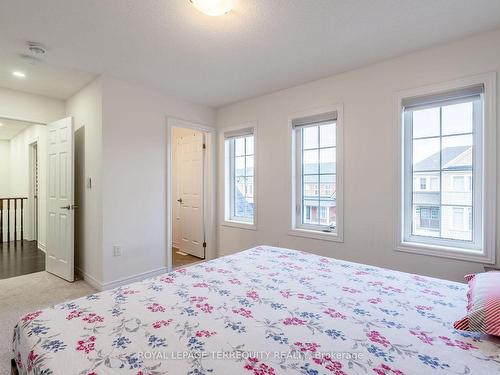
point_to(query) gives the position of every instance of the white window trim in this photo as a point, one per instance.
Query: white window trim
(476, 244)
(225, 206)
(487, 255)
(315, 234)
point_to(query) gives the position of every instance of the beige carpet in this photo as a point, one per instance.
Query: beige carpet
(22, 294)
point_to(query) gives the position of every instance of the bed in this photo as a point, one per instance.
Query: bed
(266, 310)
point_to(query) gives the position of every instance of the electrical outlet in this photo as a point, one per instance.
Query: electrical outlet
(117, 251)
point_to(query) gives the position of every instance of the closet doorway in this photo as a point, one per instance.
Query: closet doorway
(191, 208)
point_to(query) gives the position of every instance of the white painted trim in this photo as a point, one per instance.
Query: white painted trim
(294, 230)
(42, 247)
(223, 208)
(488, 253)
(132, 279)
(91, 280)
(100, 286)
(239, 224)
(210, 190)
(316, 235)
(443, 252)
(30, 235)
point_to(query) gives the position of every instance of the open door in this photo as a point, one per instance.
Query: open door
(60, 199)
(191, 195)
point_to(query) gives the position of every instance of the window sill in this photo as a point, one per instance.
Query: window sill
(445, 252)
(239, 225)
(317, 235)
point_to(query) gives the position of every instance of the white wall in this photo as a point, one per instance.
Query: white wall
(368, 96)
(29, 107)
(177, 134)
(4, 168)
(19, 177)
(134, 175)
(86, 108)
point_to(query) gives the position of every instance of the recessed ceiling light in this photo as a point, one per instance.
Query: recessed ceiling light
(213, 7)
(18, 74)
(1, 124)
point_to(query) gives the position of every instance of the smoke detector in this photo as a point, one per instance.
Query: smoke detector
(36, 49)
(35, 52)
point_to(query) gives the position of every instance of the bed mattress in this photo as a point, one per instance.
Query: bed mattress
(262, 311)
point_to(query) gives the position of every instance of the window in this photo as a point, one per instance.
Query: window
(427, 218)
(239, 176)
(447, 171)
(317, 173)
(440, 138)
(423, 183)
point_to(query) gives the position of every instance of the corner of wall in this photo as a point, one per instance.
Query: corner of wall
(85, 107)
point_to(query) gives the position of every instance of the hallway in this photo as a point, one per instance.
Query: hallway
(20, 258)
(179, 261)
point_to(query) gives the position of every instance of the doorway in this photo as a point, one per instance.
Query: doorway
(36, 198)
(191, 195)
(22, 244)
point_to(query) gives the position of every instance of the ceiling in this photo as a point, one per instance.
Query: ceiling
(259, 47)
(42, 78)
(10, 128)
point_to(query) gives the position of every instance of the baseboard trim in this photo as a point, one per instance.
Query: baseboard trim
(100, 286)
(132, 279)
(42, 247)
(91, 280)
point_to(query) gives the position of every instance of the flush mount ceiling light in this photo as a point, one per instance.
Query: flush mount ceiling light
(18, 74)
(213, 7)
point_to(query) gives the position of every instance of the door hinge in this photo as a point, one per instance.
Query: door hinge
(204, 146)
(204, 244)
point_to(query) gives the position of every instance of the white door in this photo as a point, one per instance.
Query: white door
(59, 258)
(190, 173)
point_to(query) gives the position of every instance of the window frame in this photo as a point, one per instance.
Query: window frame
(227, 219)
(308, 230)
(476, 243)
(485, 250)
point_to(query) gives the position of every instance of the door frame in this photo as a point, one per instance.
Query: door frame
(209, 190)
(34, 209)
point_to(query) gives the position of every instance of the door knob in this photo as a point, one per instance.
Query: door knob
(179, 200)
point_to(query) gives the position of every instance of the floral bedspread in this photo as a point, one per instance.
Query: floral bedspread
(262, 311)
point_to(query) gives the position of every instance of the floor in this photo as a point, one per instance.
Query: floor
(179, 260)
(23, 294)
(20, 258)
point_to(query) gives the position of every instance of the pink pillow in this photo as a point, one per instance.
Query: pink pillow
(483, 304)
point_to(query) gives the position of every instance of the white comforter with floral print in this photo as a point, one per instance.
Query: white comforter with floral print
(262, 311)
